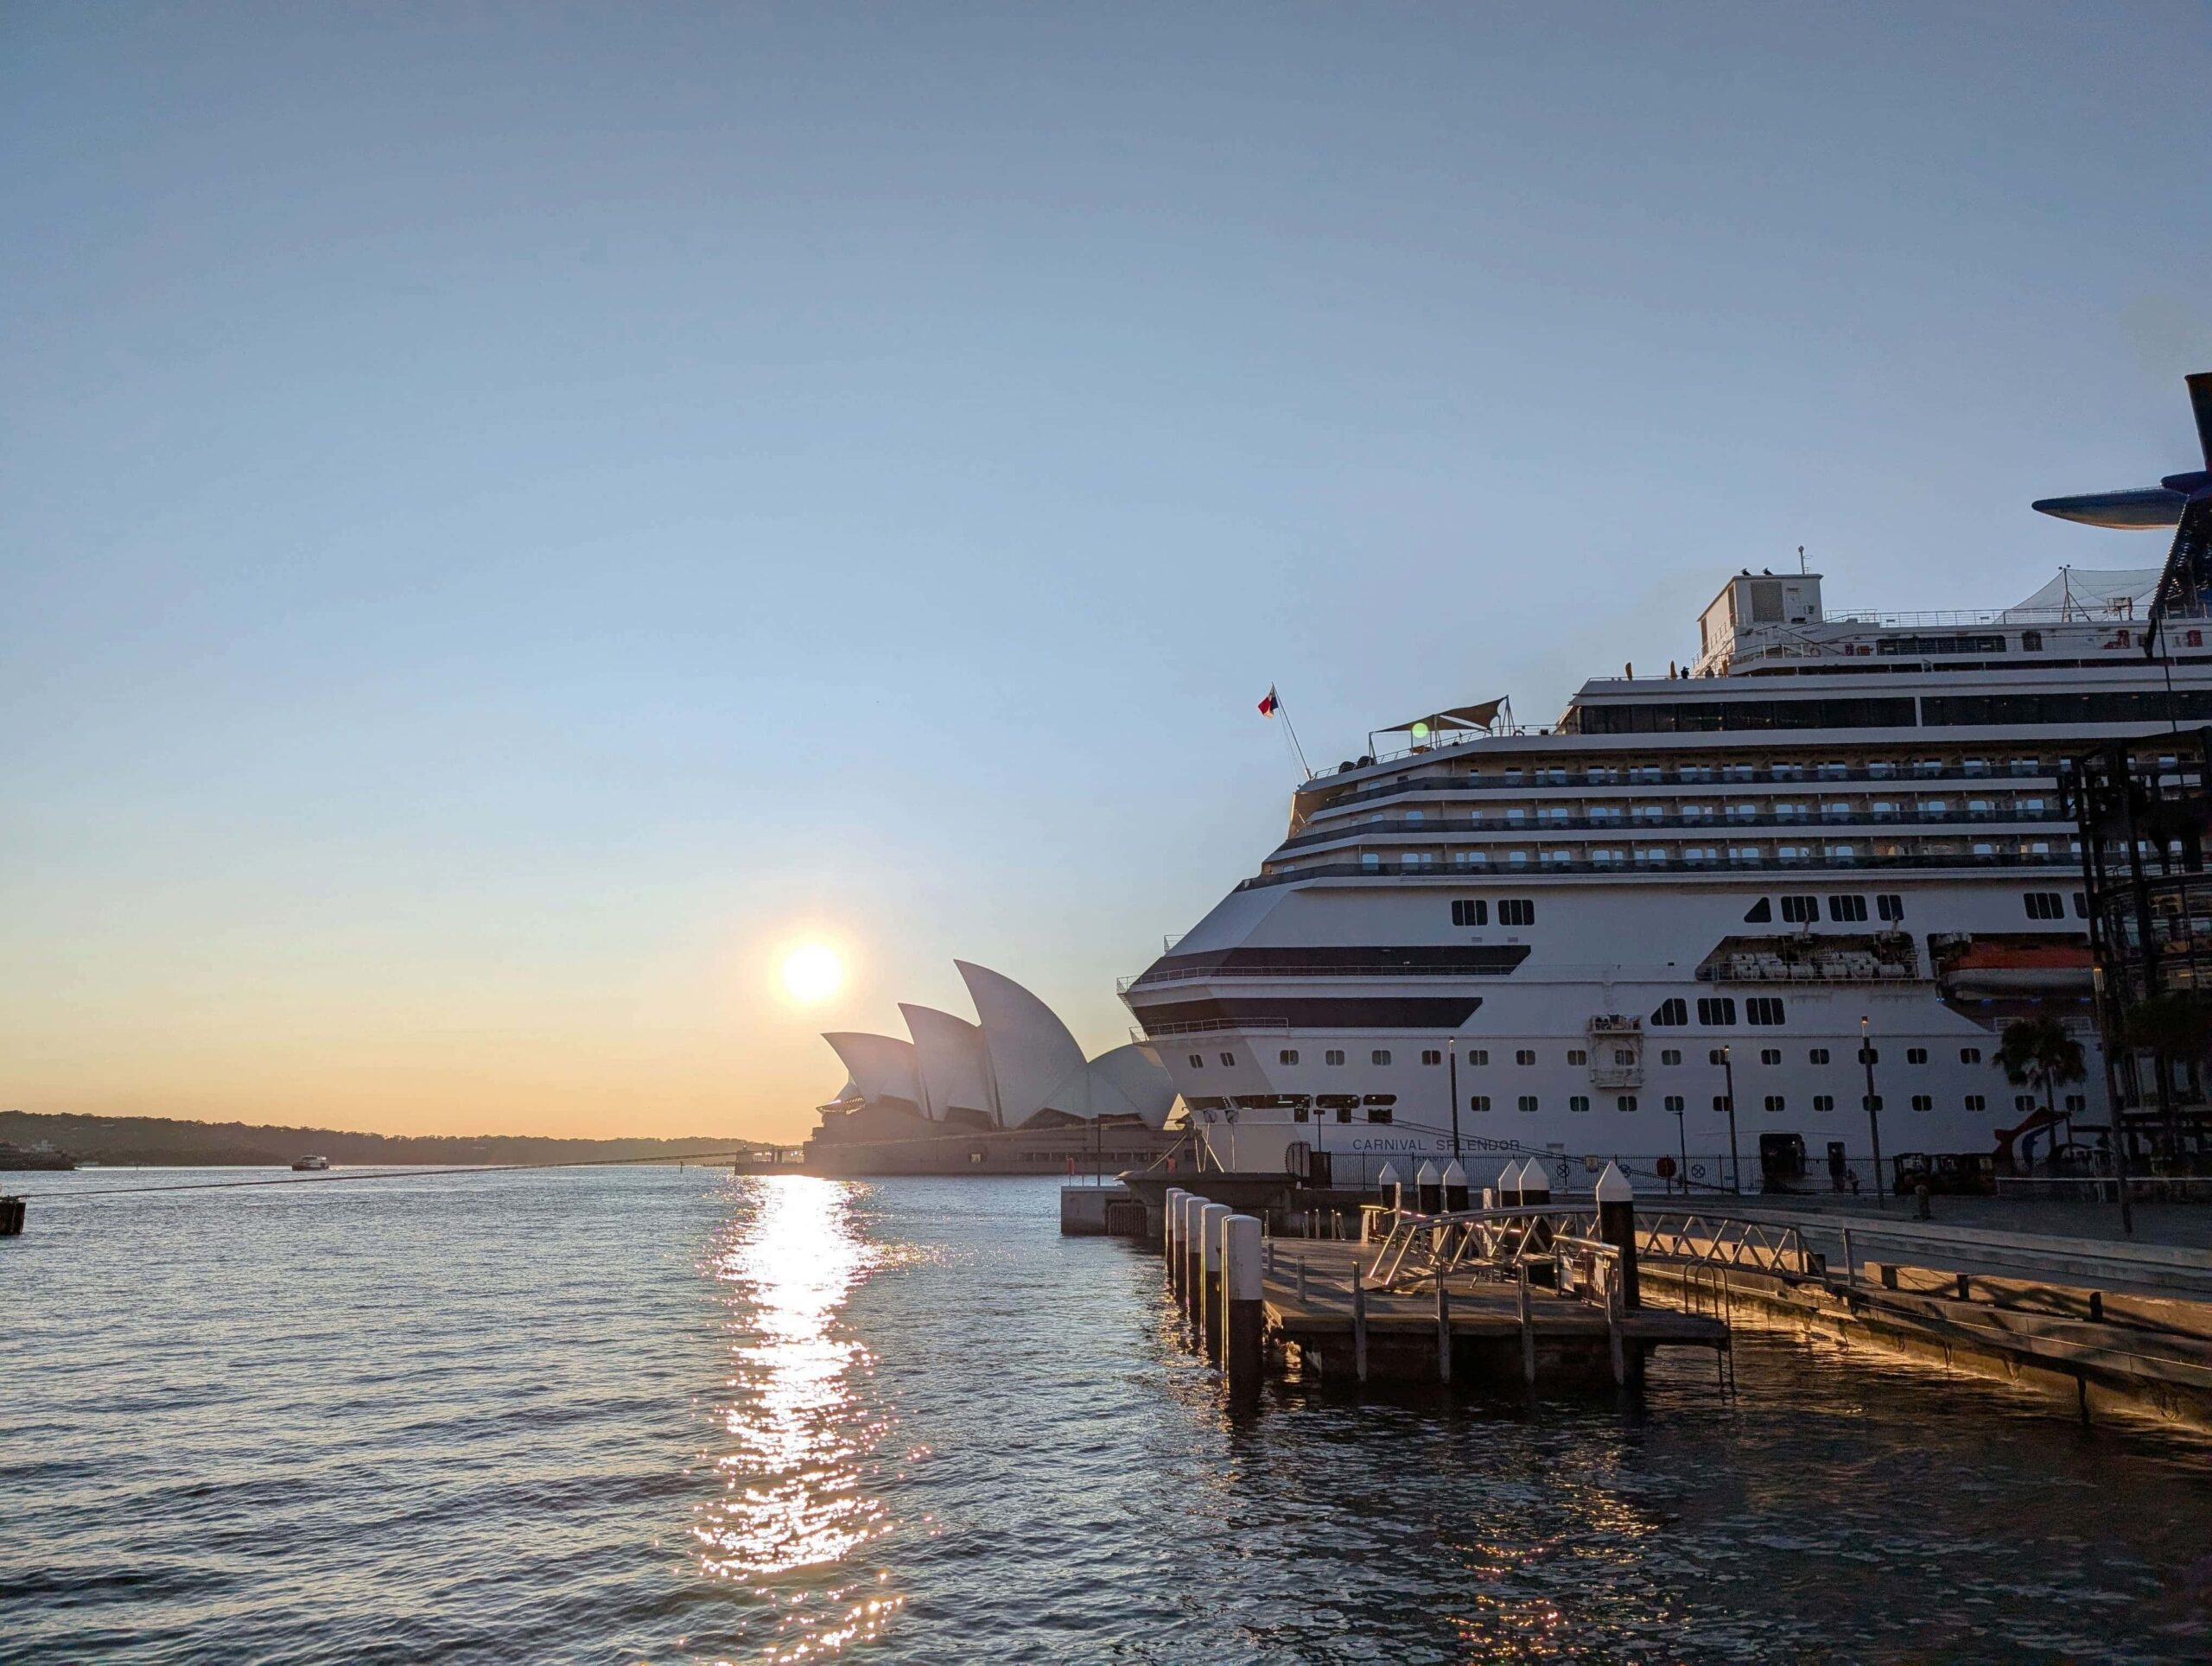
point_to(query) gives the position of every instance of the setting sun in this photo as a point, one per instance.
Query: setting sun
(813, 972)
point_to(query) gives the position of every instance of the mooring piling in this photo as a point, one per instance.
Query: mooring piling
(1211, 1217)
(1443, 1333)
(1193, 1274)
(1244, 1318)
(1170, 1215)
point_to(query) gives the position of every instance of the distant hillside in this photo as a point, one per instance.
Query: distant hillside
(161, 1140)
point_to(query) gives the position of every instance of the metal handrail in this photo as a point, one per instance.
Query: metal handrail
(1634, 825)
(1709, 776)
(1497, 1241)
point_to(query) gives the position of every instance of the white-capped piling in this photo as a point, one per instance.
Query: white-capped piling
(1617, 1226)
(1194, 1206)
(1509, 1186)
(1387, 1183)
(1428, 1188)
(1455, 1187)
(1536, 1185)
(1210, 1220)
(1242, 1318)
(1170, 1223)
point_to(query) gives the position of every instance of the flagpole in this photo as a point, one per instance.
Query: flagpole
(1292, 733)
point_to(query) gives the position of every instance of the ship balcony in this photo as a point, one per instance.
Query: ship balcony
(1563, 866)
(1493, 780)
(1829, 821)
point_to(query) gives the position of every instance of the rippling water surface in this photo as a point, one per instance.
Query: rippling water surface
(670, 1415)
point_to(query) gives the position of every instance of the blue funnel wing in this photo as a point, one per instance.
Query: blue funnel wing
(2150, 505)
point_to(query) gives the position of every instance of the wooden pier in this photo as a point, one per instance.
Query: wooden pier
(1485, 1335)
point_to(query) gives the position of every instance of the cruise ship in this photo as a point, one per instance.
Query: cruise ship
(1736, 923)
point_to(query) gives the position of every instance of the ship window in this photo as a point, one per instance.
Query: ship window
(1870, 1055)
(1576, 1056)
(1800, 911)
(1763, 1009)
(1516, 911)
(1769, 1055)
(2045, 904)
(1470, 910)
(1717, 1056)
(1627, 1101)
(2077, 1102)
(2023, 1102)
(1527, 1101)
(1775, 1101)
(1344, 1113)
(1889, 905)
(1380, 1056)
(1432, 1056)
(1378, 1113)
(1478, 1056)
(1671, 1011)
(1759, 913)
(1370, 861)
(1716, 1009)
(1969, 1055)
(1525, 1055)
(1823, 1102)
(1915, 1055)
(2080, 905)
(1846, 908)
(1870, 1101)
(1670, 1055)
(1923, 1102)
(2031, 641)
(1577, 1101)
(1976, 1102)
(1228, 1060)
(1333, 1056)
(1721, 1102)
(1480, 1102)
(1288, 1056)
(1198, 1061)
(1674, 1104)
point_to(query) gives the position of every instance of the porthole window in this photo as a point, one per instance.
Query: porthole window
(1769, 1055)
(1923, 1102)
(1915, 1055)
(1480, 1102)
(1479, 1055)
(1670, 1055)
(1432, 1056)
(1380, 1056)
(1774, 1102)
(1969, 1055)
(1529, 1102)
(1627, 1101)
(1721, 1102)
(1817, 1056)
(1288, 1056)
(1976, 1102)
(1524, 1056)
(1576, 1056)
(1577, 1101)
(1334, 1056)
(1674, 1104)
(1823, 1103)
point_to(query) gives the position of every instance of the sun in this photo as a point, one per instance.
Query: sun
(812, 972)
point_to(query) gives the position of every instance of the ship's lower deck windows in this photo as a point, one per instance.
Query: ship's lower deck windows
(1670, 1056)
(1915, 1055)
(1923, 1102)
(1479, 1102)
(1333, 1056)
(1576, 1056)
(1432, 1056)
(1817, 1056)
(1673, 1103)
(1769, 1055)
(1479, 1055)
(1976, 1102)
(1823, 1103)
(1289, 1055)
(1380, 1056)
(1625, 1102)
(1775, 1102)
(1577, 1101)
(1198, 1061)
(1525, 1055)
(1714, 1011)
(1529, 1102)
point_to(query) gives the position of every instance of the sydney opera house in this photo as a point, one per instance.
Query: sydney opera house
(1009, 1093)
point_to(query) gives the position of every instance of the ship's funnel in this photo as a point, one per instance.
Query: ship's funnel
(2181, 501)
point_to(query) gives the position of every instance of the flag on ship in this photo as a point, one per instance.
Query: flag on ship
(1269, 706)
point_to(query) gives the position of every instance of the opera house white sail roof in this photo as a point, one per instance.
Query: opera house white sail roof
(1018, 1066)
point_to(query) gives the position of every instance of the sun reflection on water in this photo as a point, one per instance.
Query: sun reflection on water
(794, 1505)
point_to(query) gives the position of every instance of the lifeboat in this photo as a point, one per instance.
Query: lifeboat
(1992, 967)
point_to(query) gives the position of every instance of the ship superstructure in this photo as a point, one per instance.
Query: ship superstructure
(1692, 895)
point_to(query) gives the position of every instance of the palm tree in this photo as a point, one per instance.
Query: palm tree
(2038, 1052)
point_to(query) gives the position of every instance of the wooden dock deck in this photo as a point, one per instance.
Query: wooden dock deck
(1564, 1340)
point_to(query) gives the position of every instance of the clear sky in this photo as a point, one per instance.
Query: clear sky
(511, 515)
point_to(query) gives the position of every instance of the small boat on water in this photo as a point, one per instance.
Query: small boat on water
(309, 1165)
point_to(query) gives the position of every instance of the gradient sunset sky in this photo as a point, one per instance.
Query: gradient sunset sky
(511, 516)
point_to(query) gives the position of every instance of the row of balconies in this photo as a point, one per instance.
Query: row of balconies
(1417, 825)
(1687, 774)
(1696, 860)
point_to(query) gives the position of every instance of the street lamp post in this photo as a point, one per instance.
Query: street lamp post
(1873, 1111)
(1735, 1158)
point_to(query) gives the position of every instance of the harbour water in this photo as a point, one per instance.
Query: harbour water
(658, 1416)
